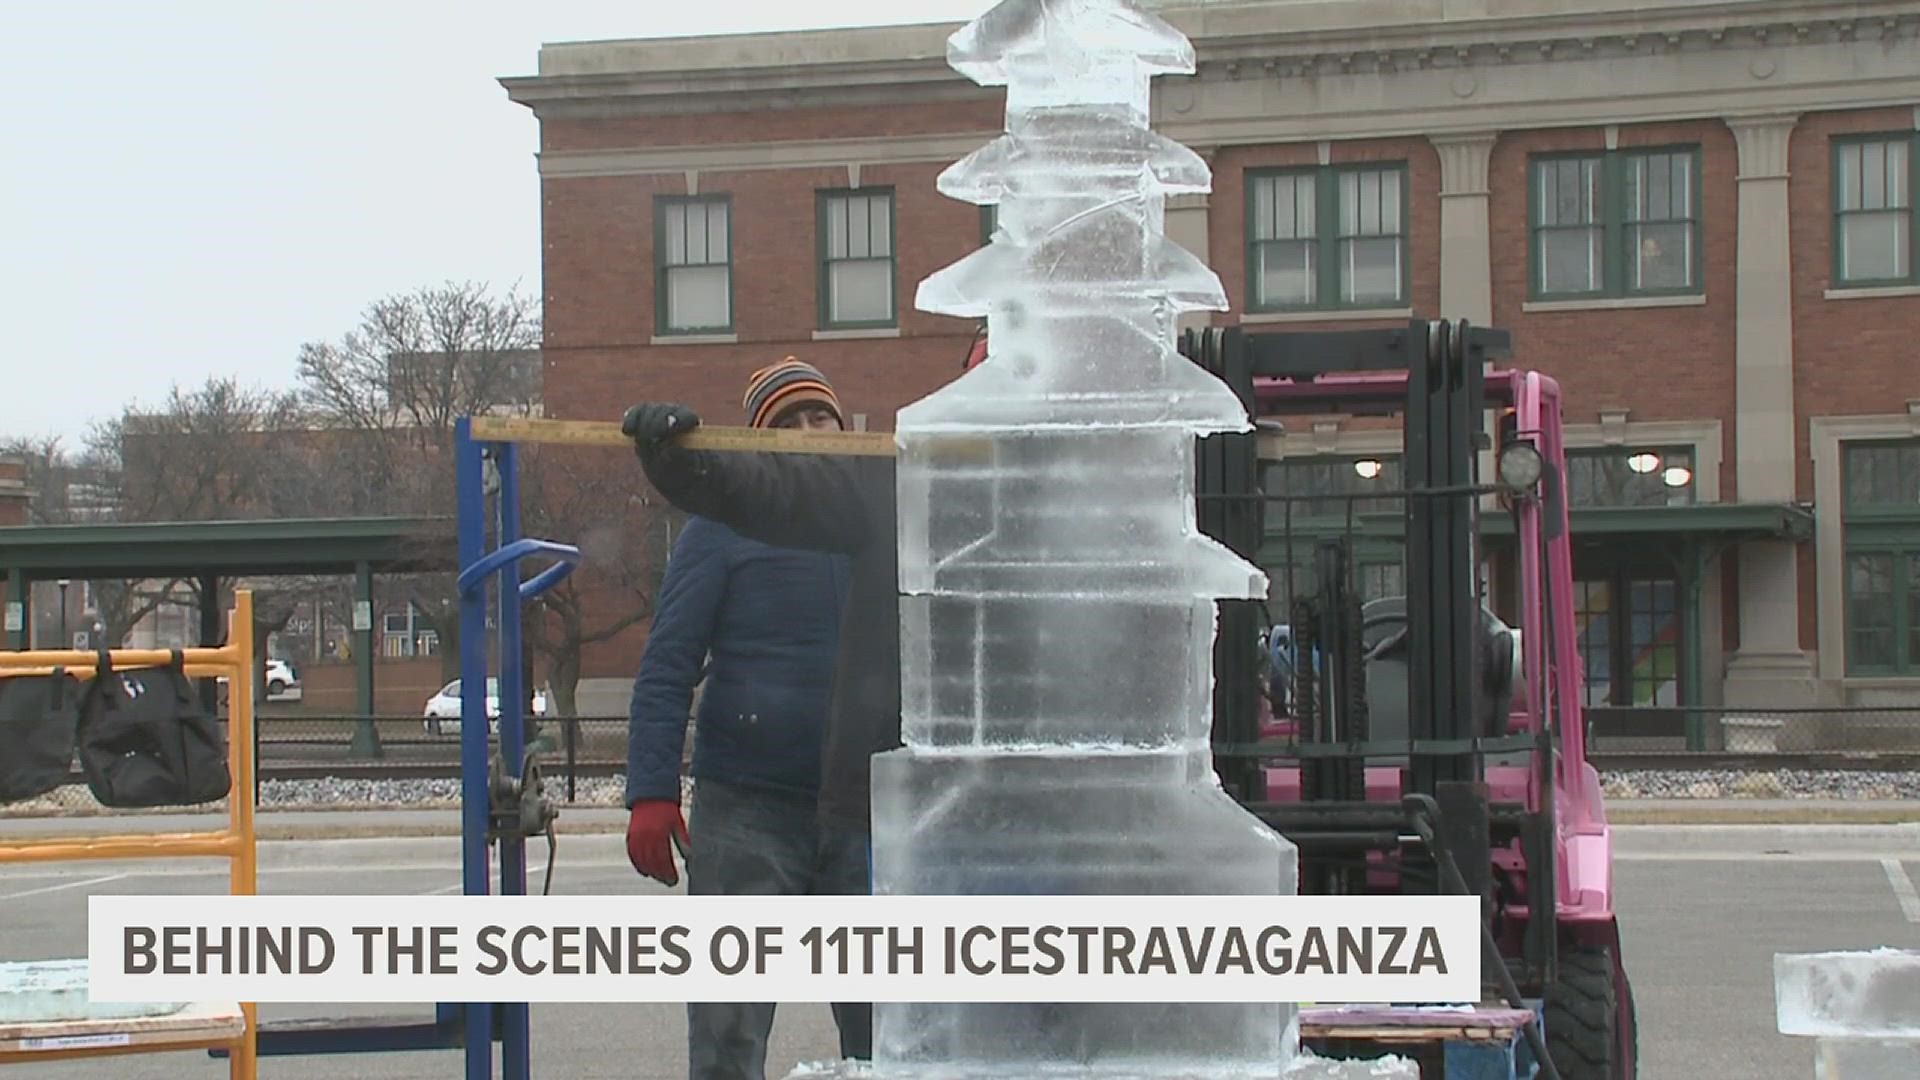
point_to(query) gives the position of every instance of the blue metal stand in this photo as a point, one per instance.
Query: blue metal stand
(479, 568)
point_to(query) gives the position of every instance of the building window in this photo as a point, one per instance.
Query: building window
(404, 634)
(1874, 229)
(1328, 238)
(396, 638)
(856, 259)
(1630, 635)
(1618, 224)
(1322, 488)
(693, 245)
(1630, 476)
(1881, 524)
(1379, 571)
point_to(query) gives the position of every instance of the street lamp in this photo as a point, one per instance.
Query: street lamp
(65, 641)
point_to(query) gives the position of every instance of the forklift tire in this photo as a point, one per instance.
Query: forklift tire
(1584, 1019)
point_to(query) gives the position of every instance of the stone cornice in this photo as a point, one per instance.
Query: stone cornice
(720, 157)
(690, 92)
(1232, 41)
(1453, 107)
(1631, 30)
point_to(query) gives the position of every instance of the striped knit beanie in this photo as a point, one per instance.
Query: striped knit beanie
(778, 388)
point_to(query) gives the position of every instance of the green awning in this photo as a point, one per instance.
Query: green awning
(1781, 521)
(1722, 521)
(294, 546)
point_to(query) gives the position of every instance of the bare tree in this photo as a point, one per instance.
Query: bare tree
(71, 489)
(416, 363)
(393, 387)
(624, 537)
(201, 456)
(51, 474)
(211, 452)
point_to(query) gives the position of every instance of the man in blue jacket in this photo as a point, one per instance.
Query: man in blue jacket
(760, 625)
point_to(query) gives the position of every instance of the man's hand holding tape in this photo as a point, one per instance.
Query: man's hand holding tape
(652, 423)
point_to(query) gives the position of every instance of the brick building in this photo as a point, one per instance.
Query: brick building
(1699, 217)
(14, 491)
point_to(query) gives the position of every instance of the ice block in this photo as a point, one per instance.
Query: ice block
(1308, 1066)
(1866, 1059)
(1869, 994)
(1304, 1066)
(47, 991)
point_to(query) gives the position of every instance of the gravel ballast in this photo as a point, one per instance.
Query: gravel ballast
(1856, 785)
(329, 793)
(335, 793)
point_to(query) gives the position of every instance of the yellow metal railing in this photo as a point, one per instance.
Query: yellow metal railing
(235, 842)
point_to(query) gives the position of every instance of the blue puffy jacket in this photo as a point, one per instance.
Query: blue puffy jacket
(765, 621)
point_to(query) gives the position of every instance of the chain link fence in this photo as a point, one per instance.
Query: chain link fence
(344, 762)
(1885, 733)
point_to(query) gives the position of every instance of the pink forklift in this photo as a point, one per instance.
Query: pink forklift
(1430, 739)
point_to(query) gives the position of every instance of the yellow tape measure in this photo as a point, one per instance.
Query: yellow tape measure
(762, 440)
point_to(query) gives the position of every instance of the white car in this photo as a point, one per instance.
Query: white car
(442, 716)
(282, 680)
(283, 683)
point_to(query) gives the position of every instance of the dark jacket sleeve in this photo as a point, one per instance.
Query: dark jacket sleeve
(787, 500)
(690, 595)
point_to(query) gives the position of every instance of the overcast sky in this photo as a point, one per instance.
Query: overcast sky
(196, 188)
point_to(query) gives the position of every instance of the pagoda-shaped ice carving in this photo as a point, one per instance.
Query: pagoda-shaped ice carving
(1057, 611)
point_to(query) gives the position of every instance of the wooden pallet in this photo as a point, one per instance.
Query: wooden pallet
(1403, 1025)
(1484, 1043)
(198, 1026)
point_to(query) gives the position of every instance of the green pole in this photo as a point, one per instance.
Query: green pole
(210, 626)
(16, 607)
(366, 734)
(1693, 670)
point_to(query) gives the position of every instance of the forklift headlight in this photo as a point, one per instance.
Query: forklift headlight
(1520, 466)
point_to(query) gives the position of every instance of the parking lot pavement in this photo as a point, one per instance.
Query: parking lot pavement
(1702, 910)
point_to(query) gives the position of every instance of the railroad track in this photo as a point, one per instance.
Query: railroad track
(414, 770)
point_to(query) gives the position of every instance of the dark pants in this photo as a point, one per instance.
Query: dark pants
(752, 842)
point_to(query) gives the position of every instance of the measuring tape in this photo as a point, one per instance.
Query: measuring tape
(762, 440)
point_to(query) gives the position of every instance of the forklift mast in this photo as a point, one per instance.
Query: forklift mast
(1444, 407)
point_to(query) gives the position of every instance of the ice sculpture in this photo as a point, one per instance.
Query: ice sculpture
(1862, 1007)
(1057, 616)
(1057, 608)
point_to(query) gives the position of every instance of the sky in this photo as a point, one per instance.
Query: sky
(194, 189)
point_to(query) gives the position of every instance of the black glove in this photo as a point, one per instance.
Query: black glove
(651, 423)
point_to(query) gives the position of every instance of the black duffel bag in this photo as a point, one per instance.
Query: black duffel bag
(146, 741)
(37, 718)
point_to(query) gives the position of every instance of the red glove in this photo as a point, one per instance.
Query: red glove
(652, 823)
